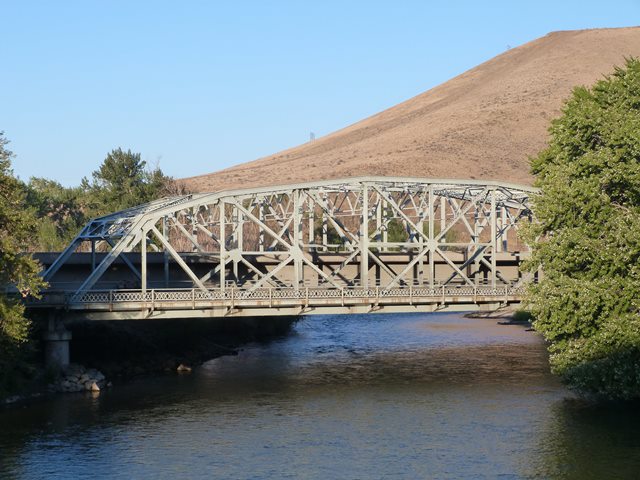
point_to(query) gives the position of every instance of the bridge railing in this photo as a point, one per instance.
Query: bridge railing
(153, 298)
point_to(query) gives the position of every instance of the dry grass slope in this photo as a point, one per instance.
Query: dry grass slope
(482, 124)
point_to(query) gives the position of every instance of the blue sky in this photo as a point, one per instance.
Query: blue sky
(200, 86)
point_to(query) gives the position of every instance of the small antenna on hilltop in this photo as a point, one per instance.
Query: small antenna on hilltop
(312, 136)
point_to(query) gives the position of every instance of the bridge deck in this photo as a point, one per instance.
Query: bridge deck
(184, 303)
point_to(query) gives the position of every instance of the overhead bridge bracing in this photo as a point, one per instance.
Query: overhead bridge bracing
(342, 246)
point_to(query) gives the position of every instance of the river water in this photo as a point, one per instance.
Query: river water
(355, 397)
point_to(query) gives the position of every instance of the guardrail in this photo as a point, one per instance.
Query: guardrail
(230, 296)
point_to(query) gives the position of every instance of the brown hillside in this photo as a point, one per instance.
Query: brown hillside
(484, 123)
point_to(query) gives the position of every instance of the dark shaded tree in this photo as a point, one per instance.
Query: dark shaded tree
(17, 225)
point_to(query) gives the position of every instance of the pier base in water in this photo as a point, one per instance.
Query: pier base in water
(56, 344)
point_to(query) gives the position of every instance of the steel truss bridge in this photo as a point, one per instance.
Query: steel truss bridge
(365, 244)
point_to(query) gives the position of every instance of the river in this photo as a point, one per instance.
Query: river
(355, 397)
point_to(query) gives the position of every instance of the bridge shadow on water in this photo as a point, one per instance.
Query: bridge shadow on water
(403, 396)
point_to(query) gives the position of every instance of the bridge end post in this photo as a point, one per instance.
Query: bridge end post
(56, 343)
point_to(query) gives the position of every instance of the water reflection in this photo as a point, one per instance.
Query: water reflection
(587, 440)
(411, 396)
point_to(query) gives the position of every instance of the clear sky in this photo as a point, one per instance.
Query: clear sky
(200, 86)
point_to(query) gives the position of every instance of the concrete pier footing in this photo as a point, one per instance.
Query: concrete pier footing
(489, 307)
(56, 344)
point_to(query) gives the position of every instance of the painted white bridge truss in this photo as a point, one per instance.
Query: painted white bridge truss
(357, 234)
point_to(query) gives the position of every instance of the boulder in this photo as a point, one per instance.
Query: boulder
(77, 378)
(182, 368)
(91, 386)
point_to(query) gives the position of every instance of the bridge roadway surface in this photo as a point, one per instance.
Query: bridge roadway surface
(357, 245)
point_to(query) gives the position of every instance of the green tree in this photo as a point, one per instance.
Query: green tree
(587, 238)
(397, 231)
(17, 224)
(123, 181)
(60, 211)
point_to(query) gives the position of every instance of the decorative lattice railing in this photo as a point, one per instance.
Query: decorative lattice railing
(304, 295)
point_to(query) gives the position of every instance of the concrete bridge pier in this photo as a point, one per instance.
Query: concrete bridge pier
(56, 342)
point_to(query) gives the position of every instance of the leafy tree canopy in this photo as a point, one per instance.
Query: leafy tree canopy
(587, 238)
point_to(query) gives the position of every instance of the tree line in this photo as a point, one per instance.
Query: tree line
(122, 181)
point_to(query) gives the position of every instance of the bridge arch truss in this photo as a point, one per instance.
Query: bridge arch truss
(362, 236)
